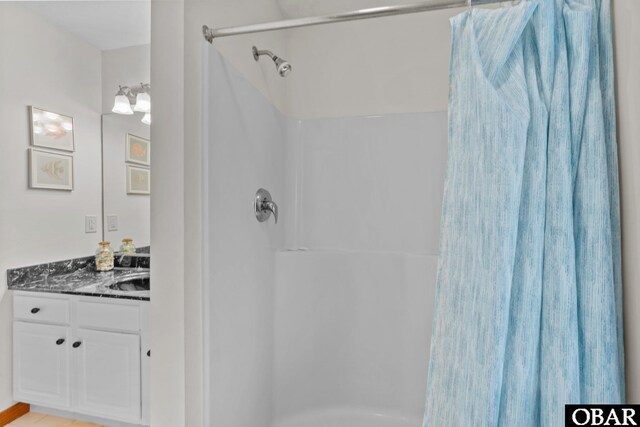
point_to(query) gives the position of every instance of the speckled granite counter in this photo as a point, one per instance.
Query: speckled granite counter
(79, 277)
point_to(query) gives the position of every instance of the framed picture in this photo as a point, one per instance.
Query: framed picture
(52, 171)
(51, 130)
(138, 180)
(138, 150)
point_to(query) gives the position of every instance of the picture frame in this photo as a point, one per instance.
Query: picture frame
(50, 171)
(51, 130)
(138, 150)
(138, 180)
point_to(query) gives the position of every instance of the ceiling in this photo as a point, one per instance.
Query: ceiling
(105, 24)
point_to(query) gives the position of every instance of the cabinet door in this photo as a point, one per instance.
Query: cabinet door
(41, 364)
(145, 341)
(107, 370)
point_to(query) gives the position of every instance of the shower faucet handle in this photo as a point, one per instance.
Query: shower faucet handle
(271, 207)
(264, 206)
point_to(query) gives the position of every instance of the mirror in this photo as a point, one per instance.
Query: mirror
(57, 82)
(126, 173)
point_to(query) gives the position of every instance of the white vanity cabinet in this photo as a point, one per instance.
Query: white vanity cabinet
(107, 366)
(41, 364)
(82, 354)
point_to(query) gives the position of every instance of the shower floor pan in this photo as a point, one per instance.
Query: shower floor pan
(347, 417)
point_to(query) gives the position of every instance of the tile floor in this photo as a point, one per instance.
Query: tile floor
(35, 419)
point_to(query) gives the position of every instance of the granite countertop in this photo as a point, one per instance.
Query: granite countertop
(78, 277)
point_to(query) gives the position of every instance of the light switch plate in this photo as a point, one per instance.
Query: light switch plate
(90, 224)
(112, 222)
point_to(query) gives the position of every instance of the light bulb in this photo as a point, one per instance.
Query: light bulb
(143, 103)
(146, 119)
(121, 105)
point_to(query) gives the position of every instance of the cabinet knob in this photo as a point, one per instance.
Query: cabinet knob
(60, 341)
(149, 353)
(34, 310)
(77, 344)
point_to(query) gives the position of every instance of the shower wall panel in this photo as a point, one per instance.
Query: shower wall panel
(353, 307)
(245, 144)
(352, 333)
(373, 183)
(324, 318)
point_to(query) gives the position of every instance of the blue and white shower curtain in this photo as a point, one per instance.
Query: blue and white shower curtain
(528, 300)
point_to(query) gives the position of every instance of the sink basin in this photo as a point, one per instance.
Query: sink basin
(132, 282)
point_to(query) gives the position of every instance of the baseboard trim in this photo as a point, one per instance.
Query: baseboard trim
(12, 413)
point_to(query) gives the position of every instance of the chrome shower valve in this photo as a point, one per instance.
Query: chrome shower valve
(264, 206)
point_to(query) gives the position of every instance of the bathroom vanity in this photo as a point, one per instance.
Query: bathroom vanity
(81, 340)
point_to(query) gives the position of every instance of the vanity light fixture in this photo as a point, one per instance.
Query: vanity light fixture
(143, 103)
(121, 104)
(138, 96)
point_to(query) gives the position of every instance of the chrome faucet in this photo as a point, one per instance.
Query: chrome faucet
(121, 258)
(264, 206)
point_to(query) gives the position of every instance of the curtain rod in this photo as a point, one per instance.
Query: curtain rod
(375, 12)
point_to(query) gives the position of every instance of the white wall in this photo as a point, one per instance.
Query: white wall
(133, 210)
(49, 68)
(379, 66)
(168, 206)
(627, 62)
(127, 66)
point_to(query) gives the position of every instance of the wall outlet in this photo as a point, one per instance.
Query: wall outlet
(90, 224)
(112, 222)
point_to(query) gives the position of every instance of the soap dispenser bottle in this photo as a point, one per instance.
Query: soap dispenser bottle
(127, 246)
(104, 257)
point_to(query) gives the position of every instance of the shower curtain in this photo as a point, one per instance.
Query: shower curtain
(528, 300)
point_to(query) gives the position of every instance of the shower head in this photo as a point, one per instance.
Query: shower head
(282, 65)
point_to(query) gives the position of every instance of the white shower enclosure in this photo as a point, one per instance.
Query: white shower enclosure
(323, 319)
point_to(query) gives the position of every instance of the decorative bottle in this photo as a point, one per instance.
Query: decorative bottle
(104, 257)
(127, 246)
